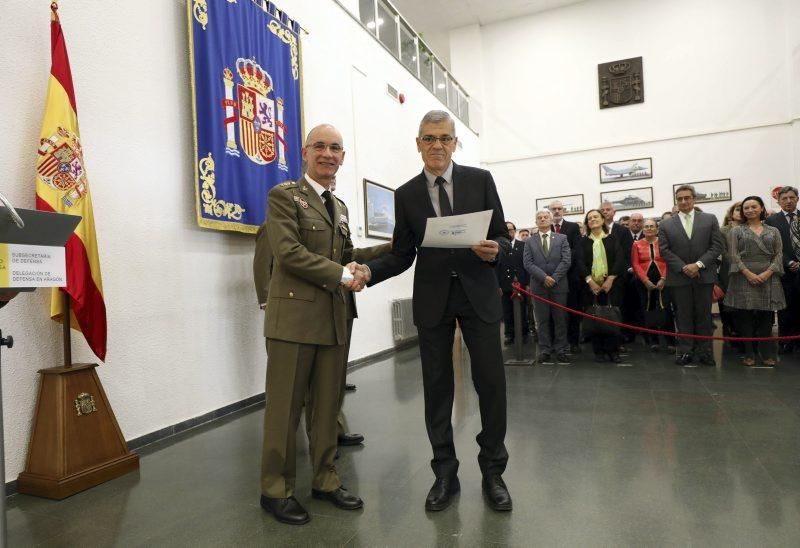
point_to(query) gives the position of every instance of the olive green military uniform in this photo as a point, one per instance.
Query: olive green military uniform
(262, 271)
(306, 330)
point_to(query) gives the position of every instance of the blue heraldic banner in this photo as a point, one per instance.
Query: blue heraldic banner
(247, 109)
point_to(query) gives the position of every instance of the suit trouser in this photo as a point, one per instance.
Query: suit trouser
(488, 376)
(632, 312)
(341, 420)
(547, 317)
(756, 323)
(294, 369)
(508, 315)
(693, 316)
(789, 317)
(573, 320)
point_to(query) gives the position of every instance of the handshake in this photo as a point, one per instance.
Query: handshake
(361, 276)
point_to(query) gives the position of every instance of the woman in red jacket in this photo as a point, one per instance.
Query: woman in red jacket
(651, 271)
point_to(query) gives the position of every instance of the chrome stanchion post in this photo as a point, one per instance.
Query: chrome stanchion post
(9, 342)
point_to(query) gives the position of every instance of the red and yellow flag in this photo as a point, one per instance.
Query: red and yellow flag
(62, 187)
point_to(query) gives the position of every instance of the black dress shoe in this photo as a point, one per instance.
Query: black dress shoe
(496, 493)
(614, 358)
(340, 497)
(350, 387)
(441, 493)
(350, 439)
(286, 510)
(683, 359)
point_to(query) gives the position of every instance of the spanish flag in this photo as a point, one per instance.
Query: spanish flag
(62, 187)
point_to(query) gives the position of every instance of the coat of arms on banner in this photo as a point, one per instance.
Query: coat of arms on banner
(60, 166)
(621, 83)
(260, 118)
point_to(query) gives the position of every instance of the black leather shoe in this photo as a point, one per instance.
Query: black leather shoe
(286, 510)
(350, 387)
(496, 493)
(614, 358)
(441, 493)
(708, 360)
(683, 359)
(340, 497)
(350, 439)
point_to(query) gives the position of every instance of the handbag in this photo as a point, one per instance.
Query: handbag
(593, 328)
(717, 294)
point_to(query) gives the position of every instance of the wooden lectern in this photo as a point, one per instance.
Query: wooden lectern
(76, 442)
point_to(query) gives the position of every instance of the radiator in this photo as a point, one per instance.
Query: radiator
(403, 327)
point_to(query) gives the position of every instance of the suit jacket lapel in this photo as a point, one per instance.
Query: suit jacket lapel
(457, 190)
(315, 200)
(423, 196)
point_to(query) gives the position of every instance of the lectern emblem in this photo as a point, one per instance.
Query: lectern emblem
(84, 404)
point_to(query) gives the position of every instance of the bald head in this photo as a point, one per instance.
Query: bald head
(323, 153)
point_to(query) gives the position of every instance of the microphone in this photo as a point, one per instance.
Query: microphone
(11, 211)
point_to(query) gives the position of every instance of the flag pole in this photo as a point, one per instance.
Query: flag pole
(66, 320)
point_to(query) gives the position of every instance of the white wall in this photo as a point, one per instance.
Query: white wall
(185, 332)
(720, 96)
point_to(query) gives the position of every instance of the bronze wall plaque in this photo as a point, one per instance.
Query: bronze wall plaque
(621, 83)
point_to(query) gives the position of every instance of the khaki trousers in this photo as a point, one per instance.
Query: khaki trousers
(294, 370)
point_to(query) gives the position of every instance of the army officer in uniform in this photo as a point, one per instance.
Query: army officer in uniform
(306, 328)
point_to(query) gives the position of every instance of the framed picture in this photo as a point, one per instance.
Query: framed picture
(378, 210)
(626, 170)
(630, 198)
(573, 203)
(718, 190)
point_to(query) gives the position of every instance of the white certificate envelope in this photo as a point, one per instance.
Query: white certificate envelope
(457, 230)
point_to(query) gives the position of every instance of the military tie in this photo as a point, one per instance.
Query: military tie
(329, 204)
(688, 225)
(545, 245)
(444, 201)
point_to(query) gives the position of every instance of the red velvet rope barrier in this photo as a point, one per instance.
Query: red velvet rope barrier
(519, 291)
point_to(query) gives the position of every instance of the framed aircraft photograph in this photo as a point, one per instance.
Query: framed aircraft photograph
(630, 198)
(718, 190)
(573, 203)
(626, 170)
(378, 210)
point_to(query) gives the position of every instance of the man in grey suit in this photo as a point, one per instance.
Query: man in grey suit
(547, 259)
(690, 243)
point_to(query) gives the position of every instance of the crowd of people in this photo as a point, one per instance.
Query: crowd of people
(663, 273)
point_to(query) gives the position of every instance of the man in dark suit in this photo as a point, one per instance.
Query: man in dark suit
(510, 270)
(573, 233)
(620, 231)
(547, 260)
(789, 317)
(690, 243)
(450, 285)
(632, 312)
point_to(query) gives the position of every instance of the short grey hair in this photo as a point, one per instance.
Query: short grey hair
(784, 189)
(436, 117)
(554, 202)
(539, 212)
(690, 188)
(604, 202)
(637, 214)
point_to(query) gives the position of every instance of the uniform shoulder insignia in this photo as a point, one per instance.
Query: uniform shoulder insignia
(287, 184)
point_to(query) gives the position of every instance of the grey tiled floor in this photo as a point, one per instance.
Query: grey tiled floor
(646, 455)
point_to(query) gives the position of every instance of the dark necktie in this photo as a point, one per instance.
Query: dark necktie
(444, 200)
(329, 204)
(558, 228)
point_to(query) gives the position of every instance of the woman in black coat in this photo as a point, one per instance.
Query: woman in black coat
(603, 285)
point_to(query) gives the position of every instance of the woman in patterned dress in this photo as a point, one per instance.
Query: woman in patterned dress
(754, 292)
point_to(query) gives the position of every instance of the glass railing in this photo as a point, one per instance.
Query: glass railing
(381, 19)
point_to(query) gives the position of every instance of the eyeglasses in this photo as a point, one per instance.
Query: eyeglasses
(335, 148)
(430, 139)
